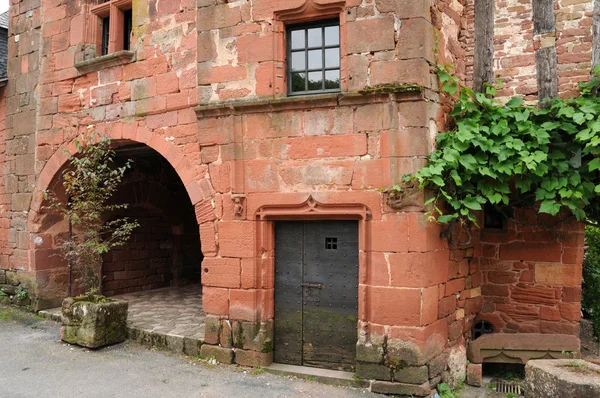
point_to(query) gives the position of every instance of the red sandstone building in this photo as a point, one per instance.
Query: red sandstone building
(261, 156)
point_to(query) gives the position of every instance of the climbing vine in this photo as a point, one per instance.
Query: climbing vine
(515, 155)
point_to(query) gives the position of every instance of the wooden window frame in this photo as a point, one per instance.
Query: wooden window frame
(323, 47)
(115, 10)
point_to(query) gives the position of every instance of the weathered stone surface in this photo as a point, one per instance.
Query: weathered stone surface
(94, 325)
(369, 352)
(521, 347)
(411, 374)
(475, 374)
(437, 365)
(386, 387)
(253, 358)
(372, 371)
(222, 355)
(562, 378)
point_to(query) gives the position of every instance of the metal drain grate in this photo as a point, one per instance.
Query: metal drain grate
(506, 387)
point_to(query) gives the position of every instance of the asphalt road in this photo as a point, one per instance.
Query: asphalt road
(35, 363)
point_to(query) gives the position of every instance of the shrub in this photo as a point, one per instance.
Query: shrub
(89, 183)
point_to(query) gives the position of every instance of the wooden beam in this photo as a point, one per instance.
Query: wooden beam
(596, 34)
(546, 59)
(483, 62)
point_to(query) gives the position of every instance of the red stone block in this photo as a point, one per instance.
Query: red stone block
(371, 173)
(454, 286)
(429, 305)
(236, 239)
(243, 304)
(425, 343)
(502, 277)
(370, 35)
(394, 306)
(424, 235)
(221, 272)
(220, 74)
(390, 234)
(261, 176)
(559, 328)
(531, 251)
(378, 271)
(413, 71)
(570, 311)
(215, 301)
(69, 103)
(549, 314)
(326, 146)
(475, 374)
(418, 269)
(571, 294)
(558, 274)
(255, 48)
(473, 305)
(446, 306)
(572, 255)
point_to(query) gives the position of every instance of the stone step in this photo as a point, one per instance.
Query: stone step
(157, 340)
(53, 314)
(325, 376)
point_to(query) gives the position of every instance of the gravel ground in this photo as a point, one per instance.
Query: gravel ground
(34, 363)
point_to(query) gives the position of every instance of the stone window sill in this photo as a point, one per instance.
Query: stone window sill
(300, 103)
(105, 61)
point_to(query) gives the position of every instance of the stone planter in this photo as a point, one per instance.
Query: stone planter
(94, 325)
(573, 378)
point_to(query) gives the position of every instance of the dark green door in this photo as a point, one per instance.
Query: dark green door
(316, 293)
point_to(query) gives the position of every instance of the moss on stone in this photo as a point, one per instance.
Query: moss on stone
(392, 88)
(267, 346)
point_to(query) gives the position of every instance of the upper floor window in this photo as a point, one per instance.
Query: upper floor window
(115, 20)
(313, 58)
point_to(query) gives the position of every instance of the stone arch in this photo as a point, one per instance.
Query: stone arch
(49, 270)
(196, 189)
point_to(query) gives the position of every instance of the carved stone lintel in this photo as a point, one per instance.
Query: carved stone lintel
(239, 206)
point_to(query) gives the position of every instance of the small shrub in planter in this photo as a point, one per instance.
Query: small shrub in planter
(92, 320)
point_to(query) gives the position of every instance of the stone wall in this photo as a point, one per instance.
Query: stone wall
(515, 45)
(145, 262)
(531, 271)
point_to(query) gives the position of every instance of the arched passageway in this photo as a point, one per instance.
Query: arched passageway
(164, 251)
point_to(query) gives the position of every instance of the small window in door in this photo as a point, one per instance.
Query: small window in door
(331, 243)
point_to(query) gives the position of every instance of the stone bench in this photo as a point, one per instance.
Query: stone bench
(521, 347)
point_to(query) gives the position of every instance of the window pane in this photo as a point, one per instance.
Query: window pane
(315, 37)
(299, 60)
(332, 57)
(332, 36)
(298, 82)
(332, 79)
(315, 59)
(298, 39)
(315, 81)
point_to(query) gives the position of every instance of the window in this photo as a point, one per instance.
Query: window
(313, 60)
(115, 24)
(105, 29)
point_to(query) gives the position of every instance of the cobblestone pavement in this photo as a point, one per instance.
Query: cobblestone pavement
(173, 311)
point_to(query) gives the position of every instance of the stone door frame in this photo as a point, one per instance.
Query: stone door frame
(310, 210)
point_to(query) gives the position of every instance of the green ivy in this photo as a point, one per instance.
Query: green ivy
(515, 154)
